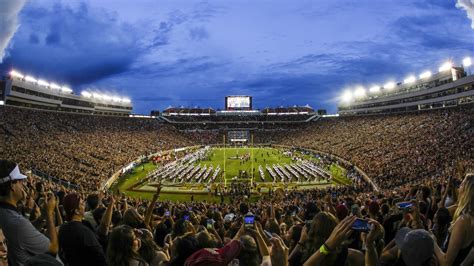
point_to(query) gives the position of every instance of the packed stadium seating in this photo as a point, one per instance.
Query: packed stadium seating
(422, 159)
(82, 149)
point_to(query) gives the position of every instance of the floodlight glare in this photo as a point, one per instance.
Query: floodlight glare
(96, 95)
(374, 89)
(445, 67)
(389, 85)
(30, 79)
(66, 89)
(410, 79)
(43, 83)
(16, 74)
(425, 75)
(107, 98)
(359, 92)
(467, 62)
(86, 94)
(116, 99)
(126, 100)
(54, 86)
(347, 96)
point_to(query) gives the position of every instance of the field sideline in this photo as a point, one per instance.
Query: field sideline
(217, 156)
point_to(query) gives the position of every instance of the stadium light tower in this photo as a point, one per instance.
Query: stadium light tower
(445, 67)
(389, 85)
(374, 89)
(425, 75)
(467, 62)
(30, 79)
(66, 89)
(359, 92)
(54, 86)
(347, 96)
(16, 74)
(410, 79)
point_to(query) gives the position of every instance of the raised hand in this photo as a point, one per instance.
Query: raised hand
(340, 233)
(279, 252)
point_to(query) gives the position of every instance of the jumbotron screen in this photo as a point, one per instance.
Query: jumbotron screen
(238, 102)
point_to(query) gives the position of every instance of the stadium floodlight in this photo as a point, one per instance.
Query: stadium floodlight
(347, 96)
(16, 74)
(425, 75)
(410, 79)
(374, 89)
(66, 89)
(389, 85)
(54, 86)
(86, 94)
(43, 83)
(445, 67)
(467, 62)
(359, 92)
(30, 79)
(126, 100)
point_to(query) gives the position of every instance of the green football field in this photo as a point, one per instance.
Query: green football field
(226, 159)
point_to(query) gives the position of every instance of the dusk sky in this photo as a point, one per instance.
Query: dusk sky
(194, 53)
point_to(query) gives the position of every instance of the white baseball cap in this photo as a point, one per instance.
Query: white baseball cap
(13, 175)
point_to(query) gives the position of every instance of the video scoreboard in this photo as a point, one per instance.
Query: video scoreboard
(238, 102)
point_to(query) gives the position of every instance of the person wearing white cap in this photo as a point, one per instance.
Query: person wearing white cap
(24, 241)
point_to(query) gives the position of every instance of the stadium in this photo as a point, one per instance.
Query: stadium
(387, 179)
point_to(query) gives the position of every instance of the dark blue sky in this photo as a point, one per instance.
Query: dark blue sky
(194, 53)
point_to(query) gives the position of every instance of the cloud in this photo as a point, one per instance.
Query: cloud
(9, 10)
(78, 45)
(198, 34)
(468, 6)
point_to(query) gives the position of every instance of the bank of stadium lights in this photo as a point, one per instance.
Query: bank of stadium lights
(30, 79)
(347, 96)
(16, 74)
(104, 97)
(374, 89)
(43, 83)
(466, 62)
(445, 67)
(359, 92)
(40, 82)
(425, 75)
(409, 80)
(389, 85)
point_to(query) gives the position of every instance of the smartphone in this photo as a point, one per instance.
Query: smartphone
(167, 213)
(334, 195)
(268, 234)
(404, 205)
(186, 217)
(249, 221)
(361, 225)
(293, 214)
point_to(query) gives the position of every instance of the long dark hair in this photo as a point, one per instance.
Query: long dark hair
(119, 248)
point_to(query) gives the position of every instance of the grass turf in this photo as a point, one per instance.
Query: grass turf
(259, 156)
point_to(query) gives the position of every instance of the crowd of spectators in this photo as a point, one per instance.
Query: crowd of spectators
(423, 214)
(81, 149)
(332, 226)
(391, 149)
